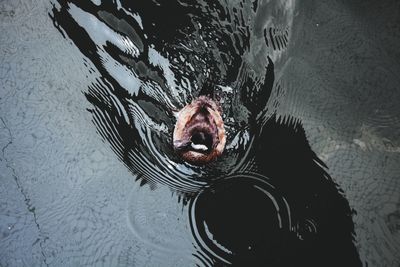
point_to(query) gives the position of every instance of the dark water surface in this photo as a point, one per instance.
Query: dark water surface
(89, 95)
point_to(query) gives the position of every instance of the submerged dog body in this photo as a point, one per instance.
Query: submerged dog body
(189, 83)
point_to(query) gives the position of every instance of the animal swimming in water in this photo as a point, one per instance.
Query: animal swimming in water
(258, 194)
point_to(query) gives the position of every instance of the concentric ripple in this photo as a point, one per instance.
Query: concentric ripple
(241, 219)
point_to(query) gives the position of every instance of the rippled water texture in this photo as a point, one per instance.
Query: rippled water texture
(90, 94)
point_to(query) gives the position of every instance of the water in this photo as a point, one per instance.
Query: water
(90, 94)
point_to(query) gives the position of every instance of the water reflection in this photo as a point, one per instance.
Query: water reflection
(154, 58)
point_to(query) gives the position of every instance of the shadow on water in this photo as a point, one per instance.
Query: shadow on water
(268, 199)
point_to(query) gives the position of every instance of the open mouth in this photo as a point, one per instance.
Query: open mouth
(199, 135)
(201, 141)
